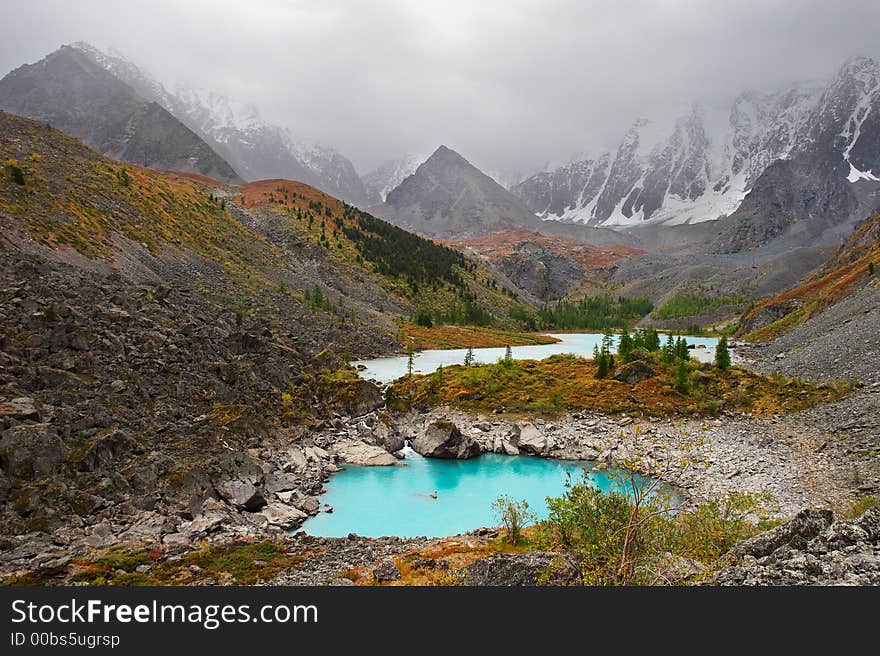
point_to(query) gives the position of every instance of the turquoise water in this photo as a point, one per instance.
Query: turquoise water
(377, 501)
(388, 369)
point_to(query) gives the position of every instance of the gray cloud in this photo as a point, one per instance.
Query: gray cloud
(510, 84)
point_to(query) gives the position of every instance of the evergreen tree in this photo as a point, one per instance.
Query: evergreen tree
(508, 354)
(469, 357)
(602, 365)
(682, 385)
(624, 346)
(681, 349)
(669, 349)
(722, 355)
(409, 359)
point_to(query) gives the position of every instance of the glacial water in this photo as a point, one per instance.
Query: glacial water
(377, 501)
(391, 368)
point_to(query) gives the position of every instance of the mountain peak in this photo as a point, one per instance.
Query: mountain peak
(449, 197)
(446, 153)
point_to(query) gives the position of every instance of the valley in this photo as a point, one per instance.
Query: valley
(198, 339)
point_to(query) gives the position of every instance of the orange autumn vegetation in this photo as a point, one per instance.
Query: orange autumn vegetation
(845, 272)
(566, 383)
(74, 197)
(591, 257)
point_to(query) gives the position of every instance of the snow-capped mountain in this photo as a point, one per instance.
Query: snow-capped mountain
(255, 148)
(390, 174)
(693, 176)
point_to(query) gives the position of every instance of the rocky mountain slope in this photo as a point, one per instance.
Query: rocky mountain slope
(798, 160)
(167, 340)
(68, 90)
(549, 267)
(256, 148)
(448, 197)
(850, 269)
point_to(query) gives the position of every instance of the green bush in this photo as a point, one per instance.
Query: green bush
(514, 515)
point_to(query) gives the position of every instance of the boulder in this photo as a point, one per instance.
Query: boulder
(806, 525)
(528, 438)
(19, 408)
(385, 572)
(104, 450)
(283, 516)
(386, 437)
(523, 569)
(355, 452)
(442, 439)
(634, 372)
(238, 479)
(308, 505)
(31, 451)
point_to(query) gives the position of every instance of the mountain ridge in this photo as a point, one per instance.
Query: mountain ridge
(68, 90)
(257, 149)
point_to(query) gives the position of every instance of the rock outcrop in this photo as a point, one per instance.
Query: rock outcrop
(442, 439)
(523, 569)
(811, 549)
(355, 452)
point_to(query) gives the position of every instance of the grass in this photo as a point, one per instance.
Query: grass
(566, 383)
(452, 337)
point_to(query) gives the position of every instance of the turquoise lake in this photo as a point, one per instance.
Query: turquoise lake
(377, 501)
(391, 368)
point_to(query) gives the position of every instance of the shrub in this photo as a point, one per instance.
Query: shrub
(16, 174)
(626, 536)
(514, 515)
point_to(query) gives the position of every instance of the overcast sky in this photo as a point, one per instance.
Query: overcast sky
(509, 84)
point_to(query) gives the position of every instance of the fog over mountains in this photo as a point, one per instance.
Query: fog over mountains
(804, 153)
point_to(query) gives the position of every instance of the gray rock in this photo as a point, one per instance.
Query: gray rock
(19, 408)
(530, 439)
(525, 569)
(31, 451)
(442, 439)
(283, 516)
(385, 572)
(355, 452)
(238, 479)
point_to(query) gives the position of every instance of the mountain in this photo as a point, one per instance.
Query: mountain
(548, 267)
(852, 267)
(827, 181)
(255, 148)
(449, 197)
(390, 174)
(789, 156)
(165, 339)
(825, 326)
(70, 91)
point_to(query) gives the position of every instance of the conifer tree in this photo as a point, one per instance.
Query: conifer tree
(722, 355)
(624, 346)
(669, 349)
(682, 385)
